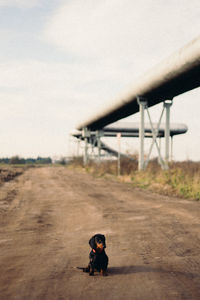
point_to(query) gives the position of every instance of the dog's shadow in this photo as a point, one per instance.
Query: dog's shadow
(128, 270)
(125, 270)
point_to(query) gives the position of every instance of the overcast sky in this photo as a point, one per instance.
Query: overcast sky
(60, 60)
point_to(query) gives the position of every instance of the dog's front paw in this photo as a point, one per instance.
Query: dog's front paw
(103, 273)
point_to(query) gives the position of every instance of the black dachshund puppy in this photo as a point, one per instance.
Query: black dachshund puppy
(98, 258)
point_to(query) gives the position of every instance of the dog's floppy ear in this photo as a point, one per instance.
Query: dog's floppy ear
(92, 242)
(103, 240)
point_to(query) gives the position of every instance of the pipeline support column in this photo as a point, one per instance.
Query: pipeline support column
(85, 135)
(167, 105)
(142, 105)
(99, 134)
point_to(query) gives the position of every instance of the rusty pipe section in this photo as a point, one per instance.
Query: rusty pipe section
(177, 74)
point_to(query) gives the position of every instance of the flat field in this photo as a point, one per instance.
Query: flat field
(47, 216)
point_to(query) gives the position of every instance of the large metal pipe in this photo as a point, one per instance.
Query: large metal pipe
(131, 129)
(179, 73)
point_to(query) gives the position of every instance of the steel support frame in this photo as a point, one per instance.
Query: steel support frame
(167, 105)
(91, 139)
(172, 148)
(99, 134)
(143, 105)
(78, 147)
(86, 136)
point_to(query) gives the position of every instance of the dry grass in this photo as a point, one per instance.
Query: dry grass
(182, 179)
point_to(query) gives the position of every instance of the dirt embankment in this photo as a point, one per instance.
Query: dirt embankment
(7, 174)
(47, 216)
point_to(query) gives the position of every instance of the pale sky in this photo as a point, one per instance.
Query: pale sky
(61, 60)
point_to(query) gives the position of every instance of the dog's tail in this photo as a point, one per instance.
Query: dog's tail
(83, 269)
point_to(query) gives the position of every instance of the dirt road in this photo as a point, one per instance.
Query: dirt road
(47, 216)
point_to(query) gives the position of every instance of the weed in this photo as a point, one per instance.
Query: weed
(182, 179)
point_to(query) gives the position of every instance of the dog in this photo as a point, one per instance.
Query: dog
(98, 257)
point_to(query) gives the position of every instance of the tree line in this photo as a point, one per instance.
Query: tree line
(16, 160)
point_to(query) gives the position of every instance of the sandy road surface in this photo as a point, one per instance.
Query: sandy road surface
(47, 216)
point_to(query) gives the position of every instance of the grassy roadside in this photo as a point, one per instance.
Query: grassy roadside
(181, 180)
